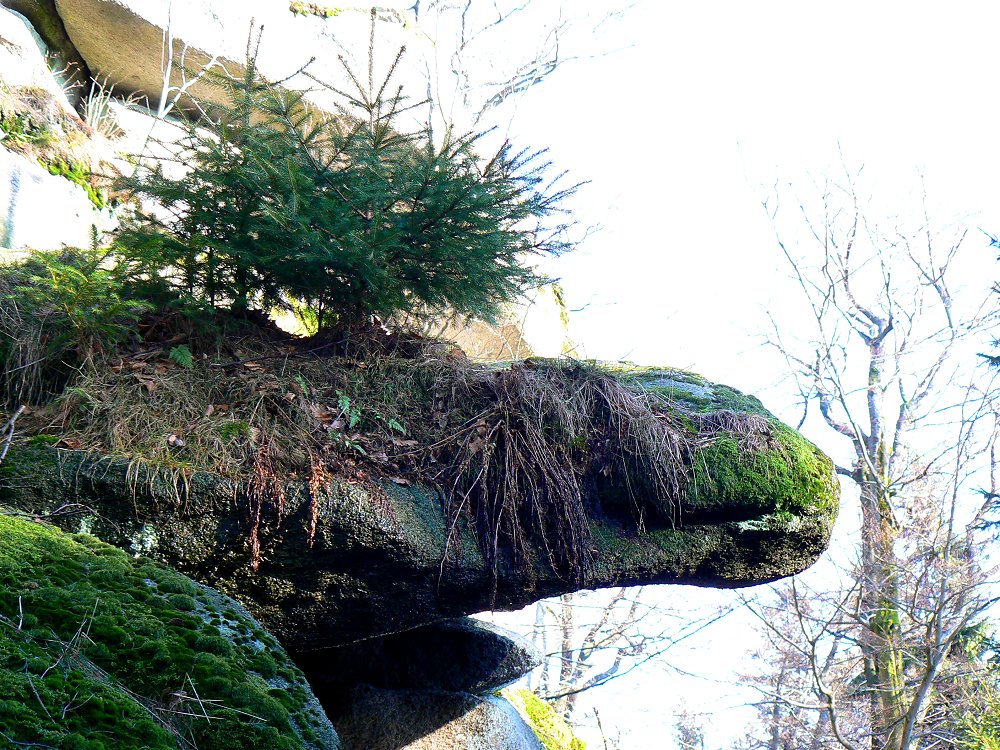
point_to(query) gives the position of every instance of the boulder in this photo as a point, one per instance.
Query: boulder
(68, 67)
(376, 719)
(23, 55)
(348, 559)
(30, 196)
(463, 655)
(47, 156)
(121, 39)
(100, 649)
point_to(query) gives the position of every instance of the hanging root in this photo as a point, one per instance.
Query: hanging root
(541, 433)
(263, 487)
(318, 479)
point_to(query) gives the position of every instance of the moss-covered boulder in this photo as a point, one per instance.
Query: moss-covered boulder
(100, 650)
(670, 479)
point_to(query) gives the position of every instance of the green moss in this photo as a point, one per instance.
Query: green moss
(313, 9)
(78, 174)
(548, 726)
(43, 439)
(21, 128)
(234, 430)
(793, 476)
(63, 690)
(686, 389)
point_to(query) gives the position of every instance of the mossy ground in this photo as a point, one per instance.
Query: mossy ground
(102, 651)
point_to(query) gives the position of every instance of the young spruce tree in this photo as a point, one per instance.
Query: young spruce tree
(353, 216)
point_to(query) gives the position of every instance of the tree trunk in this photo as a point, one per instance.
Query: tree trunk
(881, 645)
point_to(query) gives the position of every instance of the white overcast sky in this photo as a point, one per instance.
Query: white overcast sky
(712, 100)
(678, 133)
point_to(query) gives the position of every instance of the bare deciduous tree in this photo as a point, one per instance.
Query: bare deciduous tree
(471, 69)
(591, 638)
(885, 361)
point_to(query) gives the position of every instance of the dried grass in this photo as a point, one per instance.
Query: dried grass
(515, 449)
(541, 432)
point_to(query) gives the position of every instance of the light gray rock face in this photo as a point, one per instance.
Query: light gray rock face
(431, 720)
(48, 28)
(30, 199)
(121, 39)
(22, 57)
(463, 655)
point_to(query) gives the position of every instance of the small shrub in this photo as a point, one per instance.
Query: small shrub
(182, 356)
(57, 310)
(354, 216)
(97, 111)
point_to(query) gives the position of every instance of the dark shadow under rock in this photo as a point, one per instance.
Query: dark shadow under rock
(462, 655)
(376, 719)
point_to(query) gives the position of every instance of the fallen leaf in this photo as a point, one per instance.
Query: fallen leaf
(210, 410)
(404, 443)
(72, 443)
(323, 415)
(400, 481)
(148, 382)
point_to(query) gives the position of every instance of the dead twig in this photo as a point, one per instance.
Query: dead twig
(8, 428)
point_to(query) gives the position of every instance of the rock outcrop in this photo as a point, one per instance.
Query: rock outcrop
(69, 69)
(359, 570)
(377, 719)
(463, 655)
(44, 171)
(547, 724)
(430, 687)
(101, 650)
(360, 559)
(30, 196)
(121, 39)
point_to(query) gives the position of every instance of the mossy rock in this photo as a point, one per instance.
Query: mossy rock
(550, 727)
(350, 559)
(99, 649)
